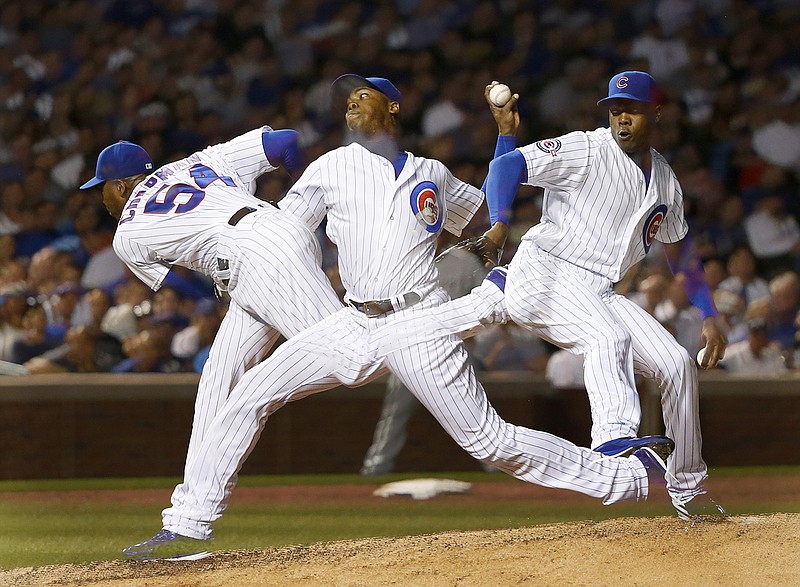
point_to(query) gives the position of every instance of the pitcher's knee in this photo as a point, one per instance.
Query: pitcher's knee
(679, 356)
(674, 368)
(487, 448)
(609, 338)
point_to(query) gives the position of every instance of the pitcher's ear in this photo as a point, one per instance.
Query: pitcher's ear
(657, 110)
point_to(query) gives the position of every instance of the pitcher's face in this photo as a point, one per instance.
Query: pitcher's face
(631, 122)
(370, 111)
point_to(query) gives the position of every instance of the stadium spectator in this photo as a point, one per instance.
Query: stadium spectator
(715, 270)
(34, 340)
(784, 303)
(731, 308)
(651, 291)
(8, 248)
(85, 350)
(49, 268)
(91, 308)
(59, 305)
(129, 299)
(774, 236)
(192, 344)
(743, 279)
(723, 230)
(754, 356)
(149, 350)
(12, 309)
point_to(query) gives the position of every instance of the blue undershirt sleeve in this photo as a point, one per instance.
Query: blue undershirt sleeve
(280, 147)
(505, 174)
(505, 144)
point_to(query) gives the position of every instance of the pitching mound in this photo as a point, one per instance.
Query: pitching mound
(743, 550)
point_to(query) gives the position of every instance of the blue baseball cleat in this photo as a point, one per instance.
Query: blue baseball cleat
(625, 447)
(170, 546)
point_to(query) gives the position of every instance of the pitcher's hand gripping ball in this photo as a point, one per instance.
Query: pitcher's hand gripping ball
(500, 95)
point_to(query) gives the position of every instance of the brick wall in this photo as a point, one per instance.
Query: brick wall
(138, 425)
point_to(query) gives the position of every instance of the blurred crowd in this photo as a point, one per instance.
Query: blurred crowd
(178, 75)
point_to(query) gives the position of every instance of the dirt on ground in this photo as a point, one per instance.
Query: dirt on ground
(742, 550)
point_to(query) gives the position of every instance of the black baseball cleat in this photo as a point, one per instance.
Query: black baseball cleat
(625, 447)
(168, 546)
(700, 508)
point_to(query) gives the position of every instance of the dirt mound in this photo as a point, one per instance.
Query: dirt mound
(742, 550)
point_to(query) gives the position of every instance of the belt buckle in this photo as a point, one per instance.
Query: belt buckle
(373, 309)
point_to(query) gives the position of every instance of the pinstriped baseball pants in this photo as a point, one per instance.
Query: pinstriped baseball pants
(280, 290)
(578, 310)
(340, 350)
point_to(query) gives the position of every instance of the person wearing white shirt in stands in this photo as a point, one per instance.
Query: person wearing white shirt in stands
(754, 356)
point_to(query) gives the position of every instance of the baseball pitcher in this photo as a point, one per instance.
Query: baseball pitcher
(608, 196)
(384, 209)
(201, 213)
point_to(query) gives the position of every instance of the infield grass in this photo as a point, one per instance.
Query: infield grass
(37, 532)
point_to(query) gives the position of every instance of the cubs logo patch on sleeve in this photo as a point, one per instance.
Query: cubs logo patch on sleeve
(425, 205)
(651, 226)
(552, 146)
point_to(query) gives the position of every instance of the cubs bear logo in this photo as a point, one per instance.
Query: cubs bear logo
(651, 226)
(425, 205)
(551, 146)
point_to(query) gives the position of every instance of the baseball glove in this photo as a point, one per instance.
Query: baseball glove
(482, 247)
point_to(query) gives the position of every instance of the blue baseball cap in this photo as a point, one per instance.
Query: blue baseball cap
(120, 160)
(344, 84)
(631, 85)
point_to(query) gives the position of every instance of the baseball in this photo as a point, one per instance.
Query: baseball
(499, 95)
(700, 354)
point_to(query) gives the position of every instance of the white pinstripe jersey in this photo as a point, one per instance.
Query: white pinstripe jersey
(385, 228)
(175, 215)
(598, 212)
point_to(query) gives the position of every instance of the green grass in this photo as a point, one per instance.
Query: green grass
(35, 534)
(38, 533)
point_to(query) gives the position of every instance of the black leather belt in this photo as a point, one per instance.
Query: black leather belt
(223, 265)
(374, 308)
(240, 214)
